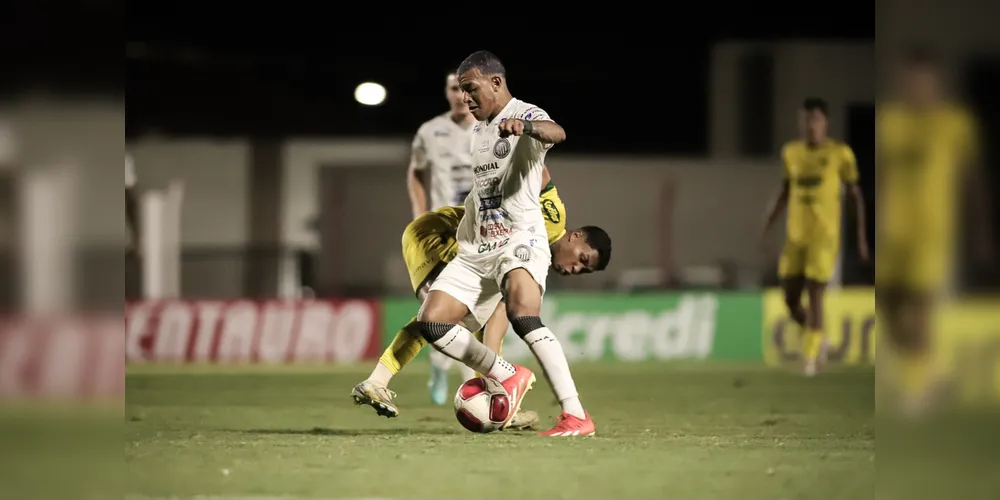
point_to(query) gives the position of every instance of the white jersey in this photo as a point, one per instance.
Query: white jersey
(441, 146)
(130, 178)
(508, 178)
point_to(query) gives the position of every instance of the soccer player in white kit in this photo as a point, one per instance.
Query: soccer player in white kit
(503, 250)
(441, 172)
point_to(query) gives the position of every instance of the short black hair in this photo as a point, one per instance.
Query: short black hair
(599, 240)
(816, 104)
(483, 60)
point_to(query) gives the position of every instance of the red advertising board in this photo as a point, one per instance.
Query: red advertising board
(62, 358)
(246, 331)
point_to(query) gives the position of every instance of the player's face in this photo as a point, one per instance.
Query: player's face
(921, 83)
(574, 256)
(479, 92)
(454, 93)
(813, 123)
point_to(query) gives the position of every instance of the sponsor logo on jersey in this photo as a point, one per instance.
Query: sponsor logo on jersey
(490, 203)
(495, 230)
(523, 253)
(493, 216)
(486, 168)
(489, 182)
(502, 148)
(442, 133)
(491, 246)
(551, 212)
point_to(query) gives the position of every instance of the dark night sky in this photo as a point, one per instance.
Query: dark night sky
(201, 70)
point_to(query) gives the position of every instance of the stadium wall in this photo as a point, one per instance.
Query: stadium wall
(718, 202)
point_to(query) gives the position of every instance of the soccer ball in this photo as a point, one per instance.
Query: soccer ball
(481, 405)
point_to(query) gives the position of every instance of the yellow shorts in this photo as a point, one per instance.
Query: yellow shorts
(911, 265)
(429, 242)
(812, 261)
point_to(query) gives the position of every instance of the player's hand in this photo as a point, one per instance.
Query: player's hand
(511, 127)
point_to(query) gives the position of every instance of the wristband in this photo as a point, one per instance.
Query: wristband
(528, 127)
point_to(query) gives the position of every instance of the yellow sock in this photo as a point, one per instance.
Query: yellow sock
(403, 349)
(913, 373)
(812, 342)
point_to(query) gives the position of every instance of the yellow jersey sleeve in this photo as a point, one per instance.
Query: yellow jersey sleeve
(848, 166)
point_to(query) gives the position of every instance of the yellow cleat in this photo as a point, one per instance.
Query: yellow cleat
(376, 396)
(525, 419)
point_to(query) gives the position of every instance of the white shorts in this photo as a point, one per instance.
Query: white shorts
(475, 280)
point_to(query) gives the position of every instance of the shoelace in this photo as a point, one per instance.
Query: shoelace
(385, 393)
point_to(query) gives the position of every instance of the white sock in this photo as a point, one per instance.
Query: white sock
(467, 373)
(440, 361)
(549, 352)
(380, 375)
(459, 344)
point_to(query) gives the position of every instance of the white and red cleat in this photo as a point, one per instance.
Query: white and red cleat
(517, 386)
(570, 425)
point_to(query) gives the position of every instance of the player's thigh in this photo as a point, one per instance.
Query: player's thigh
(820, 262)
(452, 295)
(522, 271)
(791, 262)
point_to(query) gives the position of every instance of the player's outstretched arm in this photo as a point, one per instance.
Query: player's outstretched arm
(545, 131)
(858, 207)
(416, 176)
(775, 210)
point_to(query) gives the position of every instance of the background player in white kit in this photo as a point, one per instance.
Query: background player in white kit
(441, 172)
(502, 246)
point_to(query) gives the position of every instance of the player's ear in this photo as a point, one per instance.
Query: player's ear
(575, 234)
(497, 82)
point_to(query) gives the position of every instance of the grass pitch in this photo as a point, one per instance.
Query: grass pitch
(664, 431)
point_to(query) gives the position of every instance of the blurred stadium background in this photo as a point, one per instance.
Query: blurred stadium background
(273, 204)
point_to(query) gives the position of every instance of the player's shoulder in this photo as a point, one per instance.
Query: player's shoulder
(793, 147)
(436, 125)
(527, 111)
(841, 147)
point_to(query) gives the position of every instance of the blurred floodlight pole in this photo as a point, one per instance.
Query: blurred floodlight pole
(47, 243)
(161, 217)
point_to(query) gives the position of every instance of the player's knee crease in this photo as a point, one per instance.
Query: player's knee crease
(524, 325)
(432, 332)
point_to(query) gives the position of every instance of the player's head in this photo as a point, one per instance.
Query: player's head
(921, 75)
(582, 251)
(454, 94)
(813, 119)
(484, 82)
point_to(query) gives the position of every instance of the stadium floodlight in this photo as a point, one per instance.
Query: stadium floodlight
(370, 94)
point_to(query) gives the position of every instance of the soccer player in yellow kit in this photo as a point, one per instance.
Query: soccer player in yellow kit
(429, 243)
(815, 169)
(926, 148)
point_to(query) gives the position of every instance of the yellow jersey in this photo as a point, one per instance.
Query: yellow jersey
(921, 154)
(815, 175)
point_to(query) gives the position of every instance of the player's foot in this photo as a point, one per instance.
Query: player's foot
(810, 368)
(376, 396)
(524, 419)
(438, 385)
(570, 425)
(517, 386)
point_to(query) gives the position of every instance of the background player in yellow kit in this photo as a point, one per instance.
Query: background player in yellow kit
(926, 148)
(815, 168)
(429, 243)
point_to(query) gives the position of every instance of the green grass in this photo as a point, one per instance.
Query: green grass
(664, 431)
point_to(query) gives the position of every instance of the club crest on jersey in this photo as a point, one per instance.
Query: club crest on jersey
(501, 149)
(523, 253)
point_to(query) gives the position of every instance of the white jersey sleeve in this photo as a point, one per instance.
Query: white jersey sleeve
(130, 177)
(446, 153)
(533, 113)
(418, 152)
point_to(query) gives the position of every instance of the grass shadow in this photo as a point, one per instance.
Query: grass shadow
(326, 431)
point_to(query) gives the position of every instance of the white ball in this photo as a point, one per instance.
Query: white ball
(482, 405)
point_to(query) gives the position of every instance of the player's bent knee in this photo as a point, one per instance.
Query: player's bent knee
(432, 332)
(524, 325)
(439, 307)
(522, 294)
